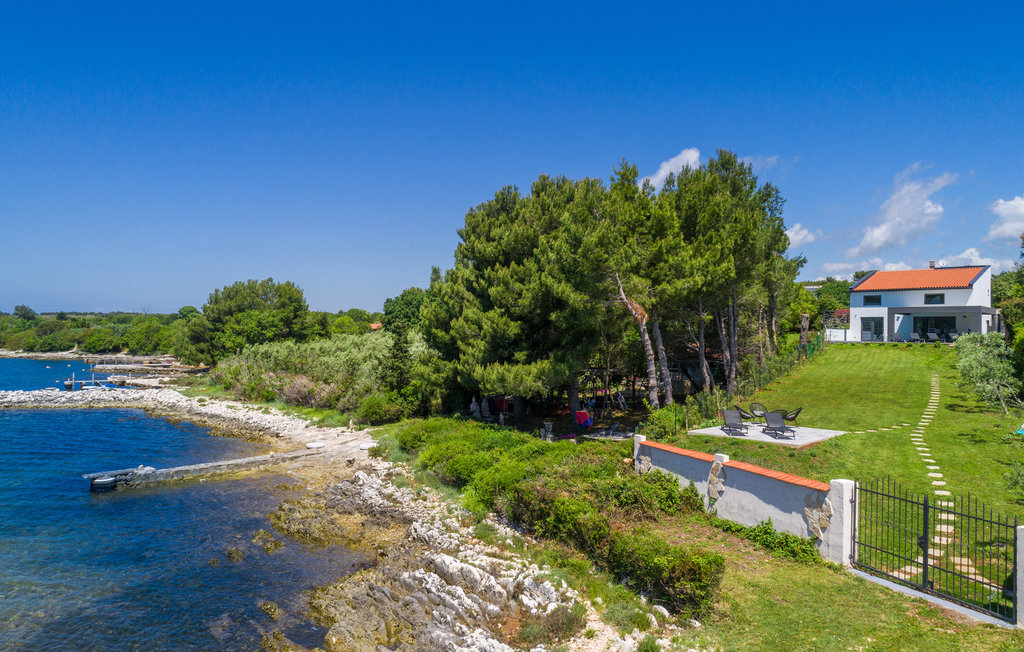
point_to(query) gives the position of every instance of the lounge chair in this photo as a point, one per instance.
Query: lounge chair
(744, 414)
(758, 410)
(933, 337)
(775, 425)
(791, 416)
(733, 422)
(914, 337)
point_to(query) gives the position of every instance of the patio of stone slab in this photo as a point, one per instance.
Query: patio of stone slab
(801, 435)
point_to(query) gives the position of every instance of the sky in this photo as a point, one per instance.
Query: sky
(150, 153)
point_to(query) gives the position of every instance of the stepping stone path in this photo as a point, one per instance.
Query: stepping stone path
(945, 528)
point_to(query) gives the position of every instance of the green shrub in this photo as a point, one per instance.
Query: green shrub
(683, 580)
(625, 617)
(692, 500)
(562, 623)
(381, 407)
(642, 496)
(783, 544)
(648, 644)
(1015, 481)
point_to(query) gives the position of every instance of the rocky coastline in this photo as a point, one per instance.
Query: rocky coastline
(282, 430)
(433, 585)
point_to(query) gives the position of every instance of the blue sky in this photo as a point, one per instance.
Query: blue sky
(151, 154)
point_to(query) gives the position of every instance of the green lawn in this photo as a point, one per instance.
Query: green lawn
(862, 387)
(770, 603)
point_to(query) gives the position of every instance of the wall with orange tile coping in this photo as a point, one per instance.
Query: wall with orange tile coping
(749, 494)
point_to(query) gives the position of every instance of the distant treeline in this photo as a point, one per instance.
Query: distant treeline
(189, 333)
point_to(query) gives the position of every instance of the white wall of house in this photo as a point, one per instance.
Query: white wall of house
(981, 293)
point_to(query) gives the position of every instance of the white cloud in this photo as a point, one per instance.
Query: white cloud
(799, 235)
(971, 256)
(689, 157)
(1011, 219)
(906, 213)
(844, 271)
(761, 163)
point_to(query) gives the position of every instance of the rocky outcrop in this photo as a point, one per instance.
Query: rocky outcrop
(438, 588)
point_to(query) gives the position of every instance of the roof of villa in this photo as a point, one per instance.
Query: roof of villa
(920, 279)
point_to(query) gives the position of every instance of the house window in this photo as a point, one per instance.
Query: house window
(872, 299)
(872, 329)
(934, 299)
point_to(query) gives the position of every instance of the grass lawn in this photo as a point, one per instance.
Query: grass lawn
(771, 603)
(867, 387)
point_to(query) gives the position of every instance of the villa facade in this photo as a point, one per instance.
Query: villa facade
(898, 306)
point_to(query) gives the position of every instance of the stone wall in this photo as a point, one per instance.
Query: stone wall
(749, 495)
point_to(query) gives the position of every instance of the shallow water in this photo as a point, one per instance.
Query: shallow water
(143, 568)
(16, 373)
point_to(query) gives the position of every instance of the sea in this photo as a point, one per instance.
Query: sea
(141, 568)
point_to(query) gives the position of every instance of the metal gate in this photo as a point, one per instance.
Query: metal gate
(954, 548)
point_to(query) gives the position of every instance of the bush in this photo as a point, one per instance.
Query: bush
(783, 544)
(382, 407)
(681, 579)
(648, 644)
(1015, 481)
(642, 496)
(626, 617)
(562, 623)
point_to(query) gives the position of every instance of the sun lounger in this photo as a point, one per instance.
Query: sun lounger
(775, 426)
(733, 422)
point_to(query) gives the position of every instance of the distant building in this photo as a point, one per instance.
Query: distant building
(944, 301)
(377, 326)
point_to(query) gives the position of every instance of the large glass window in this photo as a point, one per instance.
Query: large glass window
(934, 299)
(872, 299)
(938, 325)
(872, 329)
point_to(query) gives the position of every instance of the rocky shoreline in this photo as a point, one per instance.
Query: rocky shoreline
(433, 584)
(75, 354)
(281, 429)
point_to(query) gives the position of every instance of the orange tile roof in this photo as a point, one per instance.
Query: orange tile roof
(919, 279)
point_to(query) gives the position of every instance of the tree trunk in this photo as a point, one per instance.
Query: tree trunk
(760, 335)
(666, 375)
(723, 337)
(702, 348)
(640, 315)
(734, 355)
(773, 321)
(574, 396)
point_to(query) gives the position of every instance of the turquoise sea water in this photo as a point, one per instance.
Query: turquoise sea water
(145, 568)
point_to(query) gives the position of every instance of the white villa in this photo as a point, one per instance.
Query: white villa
(906, 304)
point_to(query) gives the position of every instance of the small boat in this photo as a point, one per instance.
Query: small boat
(99, 485)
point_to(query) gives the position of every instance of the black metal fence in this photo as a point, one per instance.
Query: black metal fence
(957, 549)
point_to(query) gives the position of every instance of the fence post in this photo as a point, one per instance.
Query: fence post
(1019, 571)
(837, 543)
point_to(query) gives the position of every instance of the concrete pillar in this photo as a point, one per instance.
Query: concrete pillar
(637, 440)
(837, 543)
(805, 325)
(1020, 574)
